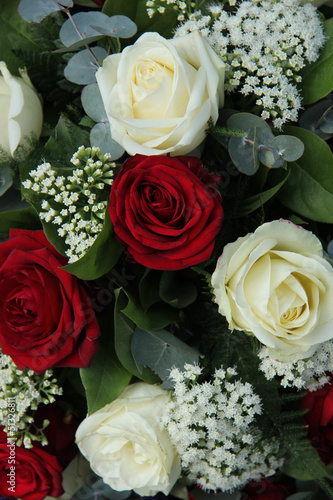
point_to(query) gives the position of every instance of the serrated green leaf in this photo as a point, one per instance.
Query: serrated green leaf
(100, 258)
(65, 140)
(106, 378)
(82, 66)
(100, 136)
(124, 330)
(317, 79)
(160, 351)
(309, 188)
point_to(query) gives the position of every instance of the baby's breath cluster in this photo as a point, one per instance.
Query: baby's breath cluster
(264, 45)
(181, 7)
(21, 391)
(308, 374)
(212, 427)
(76, 202)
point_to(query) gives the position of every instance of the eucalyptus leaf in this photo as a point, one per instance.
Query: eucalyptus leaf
(309, 187)
(100, 136)
(318, 118)
(6, 178)
(271, 158)
(288, 146)
(100, 258)
(106, 378)
(317, 80)
(78, 45)
(246, 121)
(98, 490)
(118, 26)
(160, 351)
(36, 10)
(92, 103)
(82, 66)
(83, 22)
(244, 151)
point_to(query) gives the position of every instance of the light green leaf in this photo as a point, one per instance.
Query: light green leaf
(106, 378)
(100, 136)
(83, 21)
(291, 148)
(6, 178)
(100, 258)
(160, 351)
(309, 187)
(36, 10)
(317, 81)
(92, 103)
(118, 26)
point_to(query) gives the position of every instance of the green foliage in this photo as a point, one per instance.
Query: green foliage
(25, 218)
(309, 187)
(37, 10)
(98, 490)
(100, 258)
(136, 10)
(317, 77)
(82, 67)
(160, 350)
(106, 378)
(319, 119)
(6, 178)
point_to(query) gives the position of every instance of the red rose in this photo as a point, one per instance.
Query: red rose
(29, 474)
(46, 319)
(166, 212)
(265, 490)
(99, 2)
(320, 420)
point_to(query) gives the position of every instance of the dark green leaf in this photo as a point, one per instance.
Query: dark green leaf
(124, 330)
(65, 140)
(100, 258)
(106, 378)
(246, 121)
(309, 187)
(25, 218)
(176, 290)
(149, 288)
(306, 464)
(244, 151)
(160, 351)
(318, 118)
(317, 79)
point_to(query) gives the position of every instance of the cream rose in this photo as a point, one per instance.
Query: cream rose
(125, 444)
(159, 94)
(276, 284)
(20, 112)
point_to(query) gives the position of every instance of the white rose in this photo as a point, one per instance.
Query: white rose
(20, 112)
(276, 284)
(126, 446)
(159, 94)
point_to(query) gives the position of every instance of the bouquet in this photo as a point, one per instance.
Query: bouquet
(166, 280)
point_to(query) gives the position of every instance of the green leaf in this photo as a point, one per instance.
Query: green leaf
(176, 290)
(83, 21)
(258, 200)
(118, 26)
(25, 218)
(305, 464)
(124, 330)
(244, 151)
(309, 187)
(82, 66)
(92, 103)
(246, 121)
(149, 288)
(106, 378)
(136, 10)
(318, 118)
(160, 351)
(65, 140)
(289, 147)
(317, 79)
(12, 26)
(303, 495)
(36, 10)
(100, 258)
(6, 178)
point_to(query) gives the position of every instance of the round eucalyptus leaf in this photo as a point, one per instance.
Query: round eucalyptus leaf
(326, 122)
(289, 146)
(36, 10)
(92, 103)
(314, 117)
(100, 136)
(78, 45)
(83, 21)
(265, 136)
(245, 121)
(271, 158)
(244, 151)
(118, 26)
(82, 67)
(6, 178)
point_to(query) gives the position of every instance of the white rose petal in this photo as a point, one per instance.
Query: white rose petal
(275, 284)
(20, 112)
(159, 94)
(125, 444)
